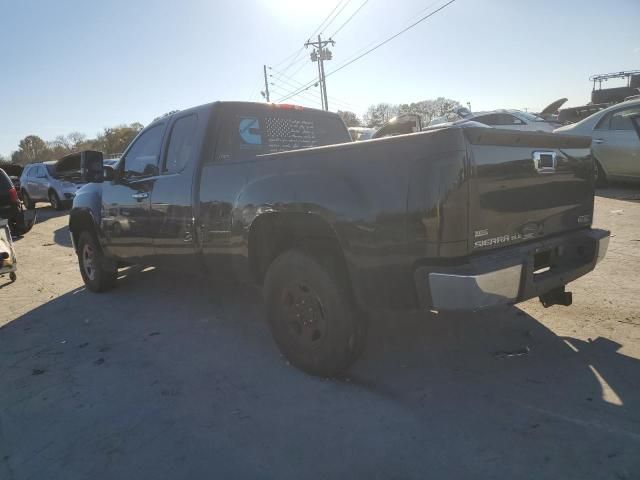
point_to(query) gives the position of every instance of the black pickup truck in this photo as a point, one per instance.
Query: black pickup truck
(451, 219)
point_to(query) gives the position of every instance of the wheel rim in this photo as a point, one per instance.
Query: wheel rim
(53, 200)
(88, 259)
(304, 315)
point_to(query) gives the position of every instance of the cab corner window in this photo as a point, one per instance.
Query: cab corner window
(181, 150)
(142, 157)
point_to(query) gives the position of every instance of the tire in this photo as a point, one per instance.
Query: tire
(312, 315)
(601, 180)
(13, 277)
(55, 201)
(94, 267)
(26, 199)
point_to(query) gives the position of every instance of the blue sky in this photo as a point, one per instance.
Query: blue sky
(77, 65)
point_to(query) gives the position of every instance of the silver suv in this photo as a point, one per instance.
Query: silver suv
(39, 183)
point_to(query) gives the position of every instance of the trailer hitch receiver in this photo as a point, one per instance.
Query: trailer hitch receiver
(557, 296)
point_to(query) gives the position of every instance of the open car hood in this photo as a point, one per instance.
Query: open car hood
(400, 125)
(553, 107)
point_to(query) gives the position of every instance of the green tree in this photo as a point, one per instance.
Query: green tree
(116, 139)
(31, 149)
(350, 119)
(378, 115)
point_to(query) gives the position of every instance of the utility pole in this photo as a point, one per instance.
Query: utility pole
(320, 54)
(266, 84)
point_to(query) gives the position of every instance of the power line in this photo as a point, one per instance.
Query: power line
(350, 18)
(325, 20)
(295, 84)
(390, 38)
(297, 53)
(335, 16)
(370, 50)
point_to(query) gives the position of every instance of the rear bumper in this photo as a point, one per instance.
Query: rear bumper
(513, 274)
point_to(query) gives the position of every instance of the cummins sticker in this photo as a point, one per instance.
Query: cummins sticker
(250, 131)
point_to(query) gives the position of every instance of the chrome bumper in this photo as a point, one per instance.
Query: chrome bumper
(508, 277)
(470, 292)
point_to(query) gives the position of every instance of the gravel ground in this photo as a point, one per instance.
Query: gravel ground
(169, 377)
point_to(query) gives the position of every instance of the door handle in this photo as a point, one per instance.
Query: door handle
(598, 141)
(140, 196)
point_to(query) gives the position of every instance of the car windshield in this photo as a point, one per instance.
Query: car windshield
(530, 117)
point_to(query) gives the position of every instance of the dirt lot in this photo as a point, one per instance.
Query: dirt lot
(171, 377)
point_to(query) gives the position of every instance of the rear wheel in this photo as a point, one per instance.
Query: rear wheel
(54, 200)
(600, 177)
(96, 271)
(311, 314)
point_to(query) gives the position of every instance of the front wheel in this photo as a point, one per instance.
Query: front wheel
(311, 314)
(54, 200)
(98, 276)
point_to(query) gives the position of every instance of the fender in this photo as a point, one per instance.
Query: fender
(87, 203)
(340, 202)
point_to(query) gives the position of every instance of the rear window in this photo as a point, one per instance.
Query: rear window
(5, 181)
(248, 132)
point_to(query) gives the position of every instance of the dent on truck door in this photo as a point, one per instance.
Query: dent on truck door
(126, 200)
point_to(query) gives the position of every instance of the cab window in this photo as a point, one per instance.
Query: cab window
(182, 144)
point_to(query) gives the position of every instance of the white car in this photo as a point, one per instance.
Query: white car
(508, 119)
(40, 183)
(616, 143)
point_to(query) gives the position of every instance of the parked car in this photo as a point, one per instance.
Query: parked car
(457, 218)
(359, 134)
(19, 219)
(42, 182)
(616, 144)
(9, 201)
(401, 125)
(505, 119)
(14, 171)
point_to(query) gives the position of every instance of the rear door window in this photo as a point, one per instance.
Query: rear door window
(252, 132)
(5, 181)
(182, 144)
(622, 120)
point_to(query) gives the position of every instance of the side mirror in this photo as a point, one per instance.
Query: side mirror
(109, 173)
(150, 170)
(92, 166)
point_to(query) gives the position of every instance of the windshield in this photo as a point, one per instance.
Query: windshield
(530, 117)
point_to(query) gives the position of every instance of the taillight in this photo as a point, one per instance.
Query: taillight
(287, 106)
(13, 195)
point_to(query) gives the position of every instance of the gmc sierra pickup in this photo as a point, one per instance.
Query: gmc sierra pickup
(453, 218)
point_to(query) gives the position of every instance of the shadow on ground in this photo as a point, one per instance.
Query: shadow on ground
(621, 191)
(170, 377)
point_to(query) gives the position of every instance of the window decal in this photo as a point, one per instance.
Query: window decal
(250, 131)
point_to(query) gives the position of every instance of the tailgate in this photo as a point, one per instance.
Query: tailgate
(526, 185)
